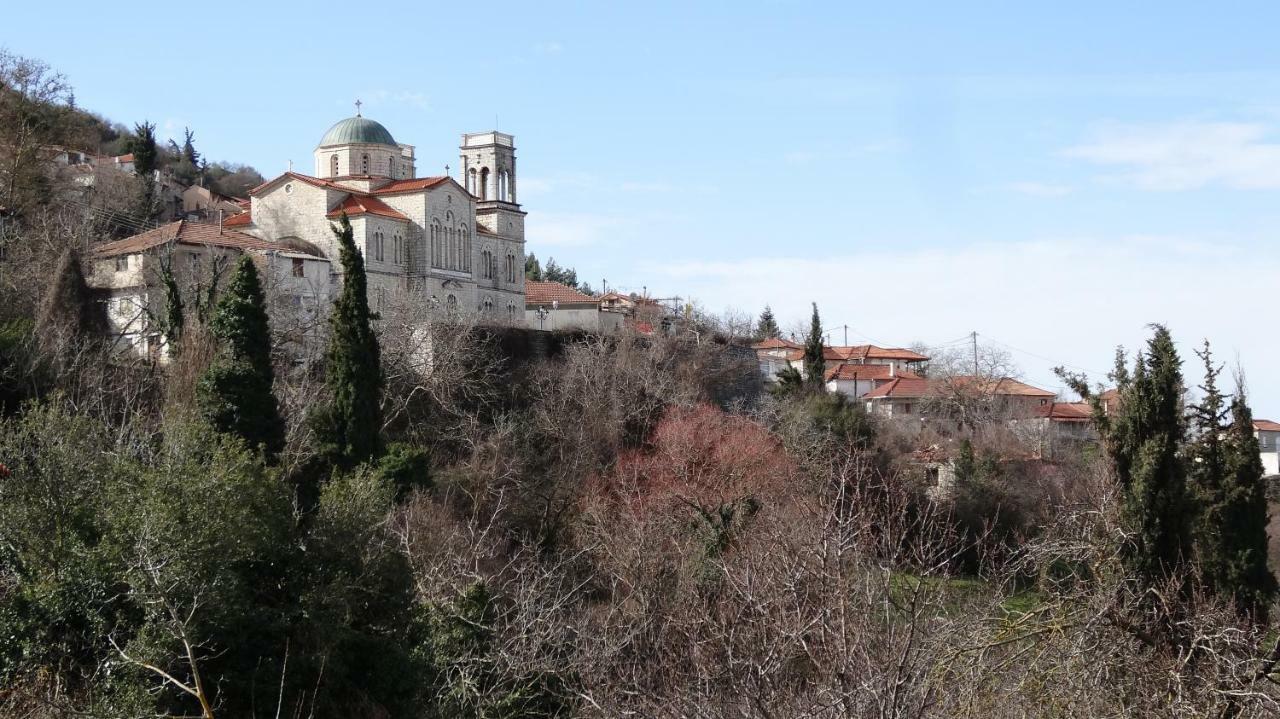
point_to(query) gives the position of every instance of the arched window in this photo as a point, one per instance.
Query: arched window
(364, 164)
(391, 167)
(471, 180)
(333, 166)
(484, 184)
(437, 250)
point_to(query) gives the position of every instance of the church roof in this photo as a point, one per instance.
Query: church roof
(410, 185)
(190, 233)
(357, 204)
(357, 130)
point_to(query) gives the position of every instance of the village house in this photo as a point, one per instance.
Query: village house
(1005, 396)
(1268, 434)
(126, 275)
(555, 306)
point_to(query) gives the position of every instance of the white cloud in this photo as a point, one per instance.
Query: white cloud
(548, 48)
(569, 229)
(1040, 189)
(1186, 155)
(1070, 299)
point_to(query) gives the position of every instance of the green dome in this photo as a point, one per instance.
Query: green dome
(357, 129)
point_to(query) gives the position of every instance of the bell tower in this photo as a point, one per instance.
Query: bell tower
(489, 173)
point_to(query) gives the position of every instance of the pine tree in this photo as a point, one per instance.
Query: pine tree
(965, 466)
(814, 364)
(767, 327)
(1143, 444)
(1243, 511)
(350, 424)
(236, 391)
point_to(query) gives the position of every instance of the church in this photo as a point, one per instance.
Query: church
(428, 239)
(431, 242)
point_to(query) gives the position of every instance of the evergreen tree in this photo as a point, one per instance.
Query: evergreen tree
(1206, 472)
(965, 466)
(532, 270)
(173, 308)
(1143, 444)
(349, 425)
(814, 365)
(146, 156)
(1242, 509)
(188, 147)
(767, 327)
(68, 308)
(235, 393)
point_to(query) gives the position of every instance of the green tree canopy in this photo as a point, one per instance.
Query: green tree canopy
(236, 392)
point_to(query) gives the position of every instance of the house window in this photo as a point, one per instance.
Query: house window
(377, 246)
(451, 302)
(399, 250)
(906, 408)
(122, 263)
(299, 268)
(391, 167)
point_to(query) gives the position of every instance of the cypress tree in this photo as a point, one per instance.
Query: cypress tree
(353, 369)
(532, 269)
(146, 157)
(1206, 472)
(767, 327)
(235, 393)
(814, 366)
(68, 307)
(1242, 509)
(1143, 444)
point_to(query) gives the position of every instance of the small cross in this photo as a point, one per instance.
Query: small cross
(446, 170)
(358, 104)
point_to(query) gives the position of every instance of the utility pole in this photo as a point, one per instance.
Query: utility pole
(974, 337)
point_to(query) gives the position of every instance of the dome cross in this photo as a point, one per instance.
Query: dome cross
(358, 104)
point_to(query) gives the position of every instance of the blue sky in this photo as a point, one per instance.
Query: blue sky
(1052, 178)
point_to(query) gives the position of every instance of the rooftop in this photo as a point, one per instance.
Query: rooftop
(357, 130)
(192, 233)
(544, 293)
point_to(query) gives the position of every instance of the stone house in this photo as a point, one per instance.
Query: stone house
(555, 306)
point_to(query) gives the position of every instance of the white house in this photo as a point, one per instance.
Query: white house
(1268, 434)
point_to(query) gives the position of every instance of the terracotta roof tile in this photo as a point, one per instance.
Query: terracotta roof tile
(544, 293)
(905, 387)
(1266, 425)
(413, 185)
(1066, 412)
(241, 220)
(773, 343)
(359, 204)
(867, 372)
(189, 233)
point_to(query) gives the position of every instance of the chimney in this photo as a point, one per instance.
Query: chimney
(893, 369)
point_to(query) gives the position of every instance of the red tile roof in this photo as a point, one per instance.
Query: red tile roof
(240, 220)
(1002, 387)
(413, 185)
(1266, 425)
(124, 158)
(866, 372)
(544, 293)
(865, 352)
(919, 387)
(358, 204)
(190, 233)
(904, 387)
(1066, 412)
(773, 343)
